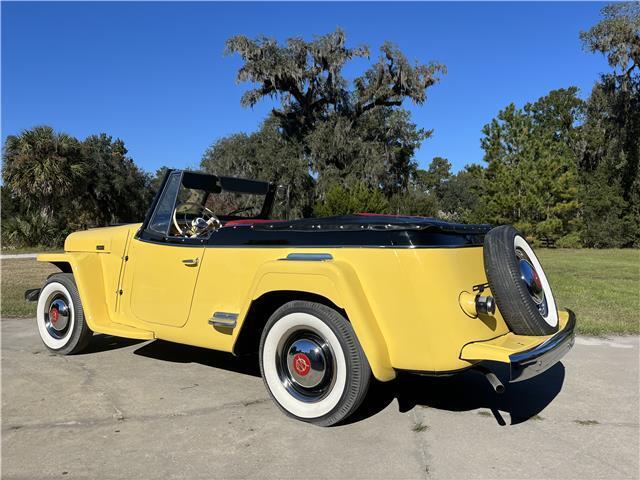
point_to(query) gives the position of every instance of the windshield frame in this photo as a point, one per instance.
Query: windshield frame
(211, 184)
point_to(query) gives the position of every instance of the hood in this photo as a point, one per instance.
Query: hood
(98, 240)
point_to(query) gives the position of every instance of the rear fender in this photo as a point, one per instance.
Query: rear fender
(336, 281)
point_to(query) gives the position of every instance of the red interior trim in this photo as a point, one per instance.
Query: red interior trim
(248, 221)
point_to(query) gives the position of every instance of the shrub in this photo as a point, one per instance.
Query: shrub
(571, 240)
(414, 202)
(32, 230)
(358, 198)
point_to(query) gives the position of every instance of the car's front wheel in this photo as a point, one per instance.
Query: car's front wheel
(312, 363)
(60, 317)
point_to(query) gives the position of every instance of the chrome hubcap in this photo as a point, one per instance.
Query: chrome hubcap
(531, 279)
(57, 316)
(306, 365)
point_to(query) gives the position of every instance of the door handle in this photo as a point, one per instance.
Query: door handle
(190, 262)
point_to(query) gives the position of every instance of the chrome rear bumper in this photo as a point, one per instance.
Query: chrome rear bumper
(532, 362)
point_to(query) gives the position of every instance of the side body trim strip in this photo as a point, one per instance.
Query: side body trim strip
(309, 257)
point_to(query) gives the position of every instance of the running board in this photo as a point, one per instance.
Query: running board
(125, 331)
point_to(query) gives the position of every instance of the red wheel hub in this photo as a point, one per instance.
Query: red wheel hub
(54, 314)
(302, 364)
(536, 281)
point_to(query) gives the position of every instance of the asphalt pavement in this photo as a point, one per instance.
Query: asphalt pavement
(129, 409)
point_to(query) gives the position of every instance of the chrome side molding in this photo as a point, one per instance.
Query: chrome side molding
(309, 257)
(223, 319)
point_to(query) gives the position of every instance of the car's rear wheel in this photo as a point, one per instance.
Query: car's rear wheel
(518, 283)
(60, 317)
(312, 363)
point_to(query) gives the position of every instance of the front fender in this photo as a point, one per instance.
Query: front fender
(87, 269)
(337, 281)
(87, 273)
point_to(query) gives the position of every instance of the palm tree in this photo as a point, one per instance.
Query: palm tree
(41, 168)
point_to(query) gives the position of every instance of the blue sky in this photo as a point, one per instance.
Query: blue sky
(154, 74)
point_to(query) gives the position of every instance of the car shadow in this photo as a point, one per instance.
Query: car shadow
(103, 343)
(178, 353)
(467, 391)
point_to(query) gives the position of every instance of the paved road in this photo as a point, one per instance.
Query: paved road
(158, 410)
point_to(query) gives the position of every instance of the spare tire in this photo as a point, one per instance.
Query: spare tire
(518, 283)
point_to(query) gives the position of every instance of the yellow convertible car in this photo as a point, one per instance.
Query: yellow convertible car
(328, 303)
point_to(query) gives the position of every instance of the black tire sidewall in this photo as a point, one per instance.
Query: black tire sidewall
(358, 371)
(517, 307)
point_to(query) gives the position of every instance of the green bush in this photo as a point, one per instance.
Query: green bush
(571, 240)
(359, 198)
(32, 230)
(414, 202)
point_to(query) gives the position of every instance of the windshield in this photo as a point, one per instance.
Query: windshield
(195, 204)
(235, 205)
(227, 198)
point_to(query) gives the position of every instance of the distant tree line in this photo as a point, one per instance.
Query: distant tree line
(55, 184)
(561, 169)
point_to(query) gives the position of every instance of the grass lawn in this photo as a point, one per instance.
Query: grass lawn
(601, 286)
(17, 276)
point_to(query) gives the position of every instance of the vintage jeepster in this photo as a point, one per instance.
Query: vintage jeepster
(329, 303)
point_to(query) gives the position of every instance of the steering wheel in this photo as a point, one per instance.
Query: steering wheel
(199, 225)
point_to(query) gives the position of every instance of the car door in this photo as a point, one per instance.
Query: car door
(163, 281)
(161, 271)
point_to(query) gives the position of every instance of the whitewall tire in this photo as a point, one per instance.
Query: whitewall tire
(60, 317)
(312, 364)
(518, 283)
(550, 313)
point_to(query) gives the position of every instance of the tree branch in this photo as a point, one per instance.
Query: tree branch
(378, 102)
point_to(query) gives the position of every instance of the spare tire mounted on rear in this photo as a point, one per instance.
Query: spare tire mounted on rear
(518, 283)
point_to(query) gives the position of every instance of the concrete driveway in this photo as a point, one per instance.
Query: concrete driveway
(131, 409)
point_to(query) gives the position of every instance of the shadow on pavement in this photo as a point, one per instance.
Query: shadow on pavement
(467, 391)
(104, 343)
(178, 353)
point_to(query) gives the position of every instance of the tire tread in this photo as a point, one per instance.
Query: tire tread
(510, 294)
(358, 370)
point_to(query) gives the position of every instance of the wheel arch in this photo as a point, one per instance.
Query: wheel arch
(261, 310)
(87, 273)
(64, 267)
(332, 283)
